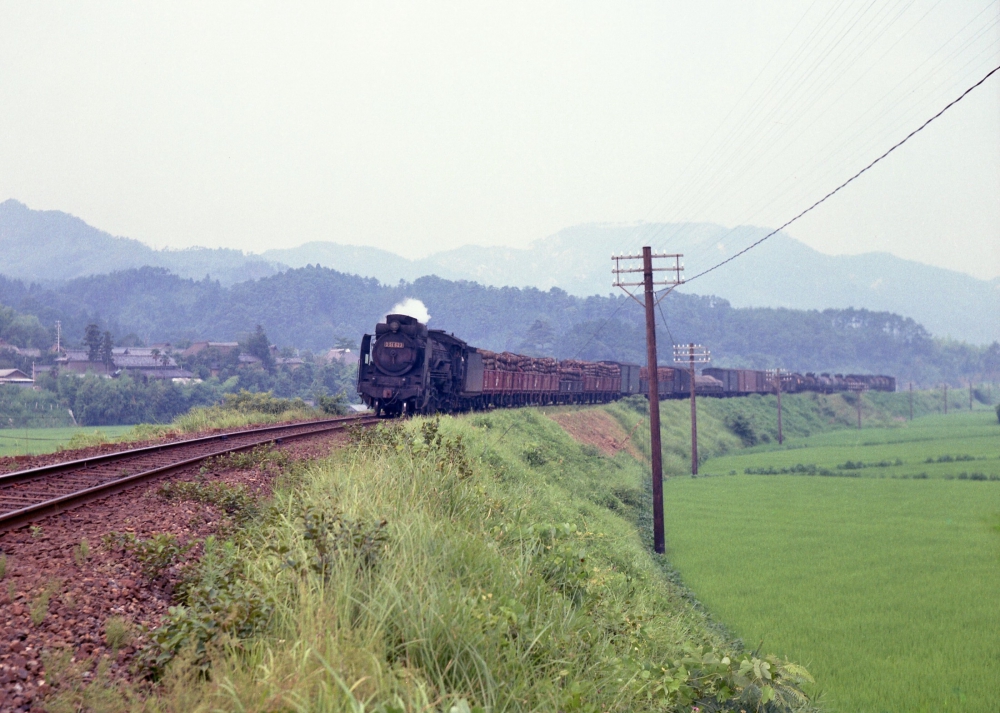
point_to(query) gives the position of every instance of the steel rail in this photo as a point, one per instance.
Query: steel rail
(53, 505)
(52, 468)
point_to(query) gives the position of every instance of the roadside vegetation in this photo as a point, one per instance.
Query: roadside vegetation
(238, 410)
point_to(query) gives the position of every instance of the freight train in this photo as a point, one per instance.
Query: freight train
(406, 368)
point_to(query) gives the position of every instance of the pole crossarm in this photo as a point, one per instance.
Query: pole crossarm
(691, 354)
(647, 269)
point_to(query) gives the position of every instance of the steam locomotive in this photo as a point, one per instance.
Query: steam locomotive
(406, 368)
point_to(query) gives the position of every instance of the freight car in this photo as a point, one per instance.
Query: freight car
(406, 368)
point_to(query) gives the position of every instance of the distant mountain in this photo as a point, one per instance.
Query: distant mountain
(50, 245)
(781, 272)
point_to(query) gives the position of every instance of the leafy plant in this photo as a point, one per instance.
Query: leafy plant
(155, 554)
(534, 455)
(216, 602)
(333, 537)
(561, 559)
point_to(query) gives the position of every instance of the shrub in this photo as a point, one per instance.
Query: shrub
(336, 405)
(236, 500)
(254, 402)
(740, 425)
(333, 537)
(216, 602)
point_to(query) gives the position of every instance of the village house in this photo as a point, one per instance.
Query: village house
(15, 377)
(223, 348)
(344, 356)
(147, 361)
(20, 351)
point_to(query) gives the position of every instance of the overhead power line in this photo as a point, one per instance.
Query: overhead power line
(852, 178)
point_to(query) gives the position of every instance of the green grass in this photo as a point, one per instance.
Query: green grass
(26, 441)
(885, 586)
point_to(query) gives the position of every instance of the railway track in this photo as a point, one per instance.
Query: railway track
(36, 493)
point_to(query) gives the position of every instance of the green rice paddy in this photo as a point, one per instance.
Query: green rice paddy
(886, 586)
(25, 441)
(933, 447)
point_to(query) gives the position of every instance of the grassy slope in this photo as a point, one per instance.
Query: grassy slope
(520, 583)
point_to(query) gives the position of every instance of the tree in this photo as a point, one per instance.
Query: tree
(259, 345)
(107, 352)
(540, 339)
(345, 343)
(92, 340)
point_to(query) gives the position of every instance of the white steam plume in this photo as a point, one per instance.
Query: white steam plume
(412, 308)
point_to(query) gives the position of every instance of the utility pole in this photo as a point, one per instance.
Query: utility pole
(775, 375)
(970, 394)
(946, 398)
(911, 400)
(649, 302)
(692, 354)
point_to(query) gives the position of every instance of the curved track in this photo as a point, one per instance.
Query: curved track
(29, 495)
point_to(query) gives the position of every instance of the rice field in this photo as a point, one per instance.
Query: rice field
(933, 447)
(885, 585)
(32, 441)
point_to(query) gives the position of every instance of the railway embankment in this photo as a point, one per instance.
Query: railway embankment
(487, 562)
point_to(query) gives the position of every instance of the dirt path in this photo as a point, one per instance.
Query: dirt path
(596, 427)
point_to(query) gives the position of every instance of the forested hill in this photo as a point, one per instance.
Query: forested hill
(311, 307)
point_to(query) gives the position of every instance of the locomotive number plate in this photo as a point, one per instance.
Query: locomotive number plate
(393, 345)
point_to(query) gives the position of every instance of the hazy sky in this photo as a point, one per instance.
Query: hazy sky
(423, 126)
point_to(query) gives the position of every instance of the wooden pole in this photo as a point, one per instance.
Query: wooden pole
(777, 385)
(911, 400)
(694, 414)
(946, 398)
(970, 394)
(656, 455)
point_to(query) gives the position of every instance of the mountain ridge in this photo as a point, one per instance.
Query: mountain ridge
(43, 246)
